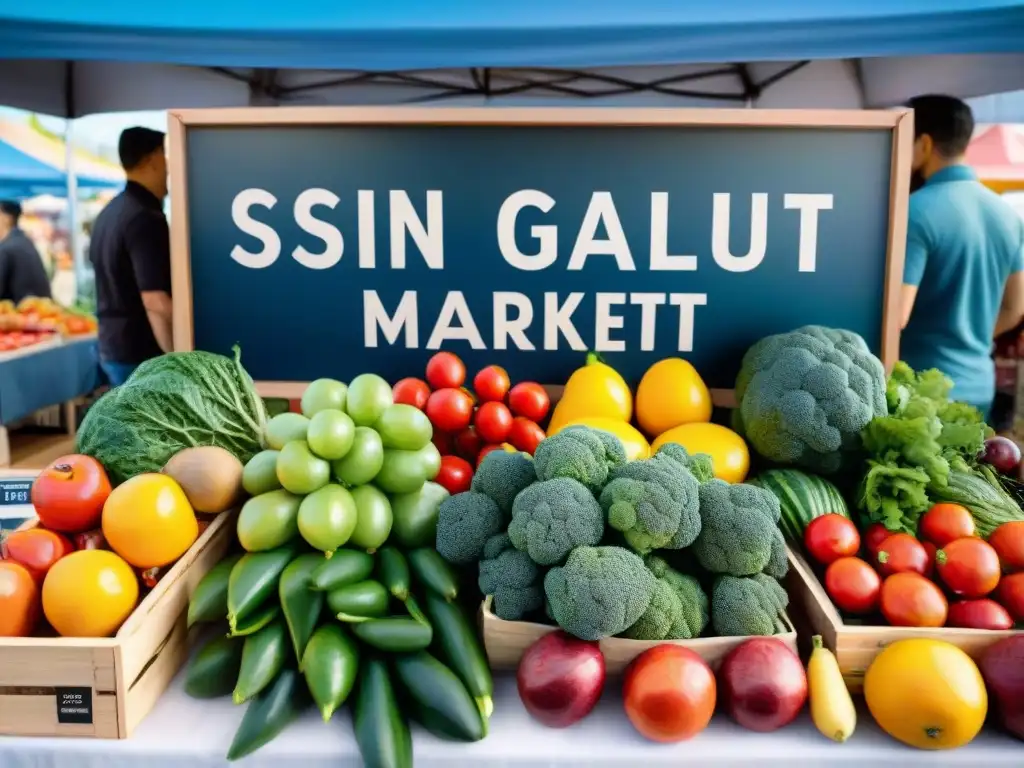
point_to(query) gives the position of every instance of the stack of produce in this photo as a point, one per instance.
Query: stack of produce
(608, 547)
(469, 425)
(42, 316)
(338, 591)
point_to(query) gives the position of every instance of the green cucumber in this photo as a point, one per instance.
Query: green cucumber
(212, 672)
(345, 566)
(330, 665)
(462, 651)
(438, 693)
(280, 704)
(254, 622)
(431, 570)
(382, 733)
(254, 579)
(209, 602)
(358, 602)
(395, 634)
(301, 605)
(394, 572)
(263, 657)
(415, 516)
(802, 497)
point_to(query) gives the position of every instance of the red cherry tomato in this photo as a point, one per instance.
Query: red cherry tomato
(931, 550)
(455, 474)
(979, 614)
(411, 391)
(35, 548)
(874, 535)
(944, 523)
(529, 400)
(491, 384)
(968, 567)
(853, 585)
(1010, 594)
(69, 494)
(449, 410)
(525, 435)
(445, 371)
(493, 421)
(1008, 542)
(908, 599)
(443, 442)
(902, 553)
(830, 537)
(468, 444)
(488, 448)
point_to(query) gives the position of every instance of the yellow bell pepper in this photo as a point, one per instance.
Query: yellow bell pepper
(594, 390)
(635, 443)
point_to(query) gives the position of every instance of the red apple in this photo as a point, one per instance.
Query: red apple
(764, 684)
(560, 679)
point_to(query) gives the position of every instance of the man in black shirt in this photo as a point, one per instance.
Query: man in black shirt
(21, 269)
(130, 251)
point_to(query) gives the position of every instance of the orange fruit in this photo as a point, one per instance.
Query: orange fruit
(148, 521)
(89, 594)
(19, 600)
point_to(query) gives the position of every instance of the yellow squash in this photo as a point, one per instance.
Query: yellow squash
(635, 444)
(926, 693)
(730, 457)
(671, 393)
(595, 389)
(832, 707)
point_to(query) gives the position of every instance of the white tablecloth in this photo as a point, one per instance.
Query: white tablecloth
(182, 733)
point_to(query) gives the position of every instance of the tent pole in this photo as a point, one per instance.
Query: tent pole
(74, 236)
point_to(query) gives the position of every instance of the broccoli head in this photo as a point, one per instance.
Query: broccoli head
(693, 617)
(599, 592)
(580, 453)
(778, 561)
(511, 578)
(804, 396)
(745, 606)
(551, 517)
(739, 527)
(465, 522)
(653, 503)
(502, 475)
(699, 464)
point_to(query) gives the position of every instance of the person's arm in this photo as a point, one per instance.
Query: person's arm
(149, 246)
(1011, 310)
(914, 262)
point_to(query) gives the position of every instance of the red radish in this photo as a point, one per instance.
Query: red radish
(560, 679)
(978, 614)
(468, 444)
(763, 683)
(493, 421)
(529, 400)
(446, 371)
(901, 553)
(411, 391)
(491, 384)
(449, 410)
(525, 435)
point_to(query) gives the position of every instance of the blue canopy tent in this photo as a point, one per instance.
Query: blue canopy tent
(22, 175)
(56, 57)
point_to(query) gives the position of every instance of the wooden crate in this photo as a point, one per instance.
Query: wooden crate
(856, 645)
(113, 683)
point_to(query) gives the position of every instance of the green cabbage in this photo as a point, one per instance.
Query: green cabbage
(176, 401)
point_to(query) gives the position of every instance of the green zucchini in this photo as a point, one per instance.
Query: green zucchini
(359, 602)
(212, 672)
(280, 703)
(345, 566)
(209, 602)
(431, 571)
(394, 572)
(254, 579)
(462, 650)
(330, 665)
(263, 657)
(381, 731)
(254, 622)
(446, 708)
(301, 605)
(395, 634)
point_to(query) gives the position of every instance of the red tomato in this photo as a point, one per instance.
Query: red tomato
(874, 535)
(901, 553)
(455, 474)
(488, 448)
(525, 435)
(411, 391)
(19, 600)
(931, 550)
(449, 410)
(830, 537)
(968, 567)
(445, 371)
(493, 421)
(1010, 594)
(944, 523)
(69, 494)
(529, 400)
(491, 384)
(443, 442)
(669, 693)
(979, 614)
(35, 548)
(468, 444)
(1008, 542)
(910, 600)
(853, 585)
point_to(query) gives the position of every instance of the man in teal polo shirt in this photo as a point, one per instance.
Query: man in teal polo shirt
(963, 280)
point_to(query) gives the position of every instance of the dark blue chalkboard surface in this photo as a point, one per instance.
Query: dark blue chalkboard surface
(333, 248)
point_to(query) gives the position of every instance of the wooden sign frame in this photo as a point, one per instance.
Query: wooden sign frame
(898, 121)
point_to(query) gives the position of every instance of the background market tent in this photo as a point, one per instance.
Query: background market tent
(787, 53)
(997, 155)
(23, 175)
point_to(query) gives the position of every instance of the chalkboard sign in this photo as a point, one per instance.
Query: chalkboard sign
(329, 242)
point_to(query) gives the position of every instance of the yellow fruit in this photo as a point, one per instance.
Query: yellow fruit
(671, 393)
(148, 521)
(926, 693)
(89, 594)
(730, 457)
(595, 389)
(832, 709)
(635, 444)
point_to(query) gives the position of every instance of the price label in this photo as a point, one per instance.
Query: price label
(15, 491)
(74, 706)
